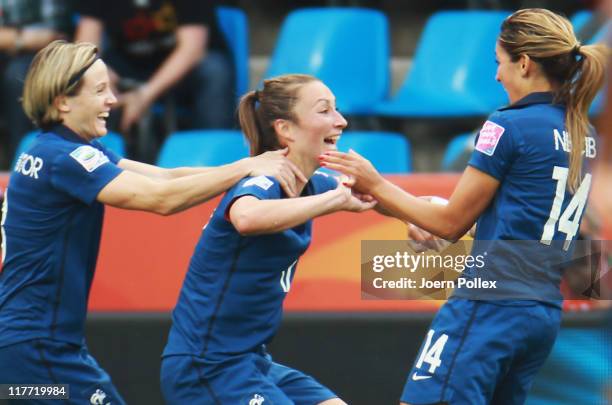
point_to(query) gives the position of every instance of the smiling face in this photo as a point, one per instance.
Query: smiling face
(317, 125)
(508, 74)
(86, 112)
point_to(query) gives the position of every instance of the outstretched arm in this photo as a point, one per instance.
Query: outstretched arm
(273, 164)
(251, 216)
(473, 194)
(131, 190)
(147, 192)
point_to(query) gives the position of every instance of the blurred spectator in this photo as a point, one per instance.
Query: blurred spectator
(164, 45)
(26, 26)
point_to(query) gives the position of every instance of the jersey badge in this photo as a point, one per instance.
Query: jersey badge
(259, 181)
(489, 137)
(89, 157)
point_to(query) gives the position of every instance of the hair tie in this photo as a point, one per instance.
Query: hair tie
(256, 95)
(576, 50)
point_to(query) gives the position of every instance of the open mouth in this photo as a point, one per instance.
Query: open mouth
(103, 117)
(332, 140)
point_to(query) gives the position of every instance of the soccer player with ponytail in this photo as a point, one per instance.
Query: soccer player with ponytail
(525, 187)
(231, 301)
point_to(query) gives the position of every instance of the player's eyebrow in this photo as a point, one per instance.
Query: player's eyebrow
(325, 100)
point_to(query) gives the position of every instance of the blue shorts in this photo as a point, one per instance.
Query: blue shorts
(44, 361)
(479, 352)
(248, 379)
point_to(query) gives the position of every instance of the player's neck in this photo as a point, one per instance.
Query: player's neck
(306, 166)
(536, 85)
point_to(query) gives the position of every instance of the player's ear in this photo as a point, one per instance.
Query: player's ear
(61, 103)
(283, 129)
(526, 65)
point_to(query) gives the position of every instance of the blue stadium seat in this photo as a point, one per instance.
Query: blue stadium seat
(455, 148)
(202, 148)
(600, 35)
(235, 28)
(580, 18)
(112, 141)
(348, 50)
(453, 70)
(389, 152)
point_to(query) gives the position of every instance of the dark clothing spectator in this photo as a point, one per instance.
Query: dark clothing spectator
(165, 45)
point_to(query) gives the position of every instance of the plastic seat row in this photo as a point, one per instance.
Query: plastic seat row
(390, 152)
(452, 72)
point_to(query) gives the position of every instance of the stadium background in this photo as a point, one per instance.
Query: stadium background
(362, 349)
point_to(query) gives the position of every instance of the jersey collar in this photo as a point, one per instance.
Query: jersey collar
(68, 134)
(545, 97)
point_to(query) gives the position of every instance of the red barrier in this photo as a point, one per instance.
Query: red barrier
(144, 257)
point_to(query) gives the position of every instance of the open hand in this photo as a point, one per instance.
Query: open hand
(366, 178)
(276, 164)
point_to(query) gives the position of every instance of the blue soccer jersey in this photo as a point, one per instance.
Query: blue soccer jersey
(476, 351)
(51, 232)
(526, 233)
(232, 296)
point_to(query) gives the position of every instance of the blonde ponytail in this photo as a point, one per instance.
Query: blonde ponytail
(588, 79)
(578, 71)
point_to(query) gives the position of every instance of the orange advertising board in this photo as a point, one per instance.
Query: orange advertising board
(143, 257)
